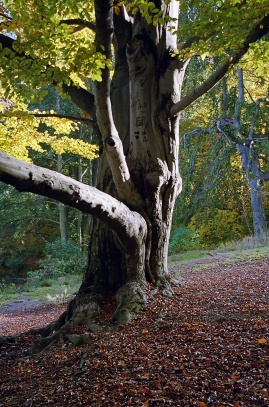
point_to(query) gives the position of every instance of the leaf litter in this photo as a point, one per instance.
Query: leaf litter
(206, 347)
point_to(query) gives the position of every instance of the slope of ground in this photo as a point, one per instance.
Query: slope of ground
(208, 346)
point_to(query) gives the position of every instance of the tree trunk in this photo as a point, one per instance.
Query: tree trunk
(62, 209)
(149, 136)
(79, 214)
(146, 83)
(250, 164)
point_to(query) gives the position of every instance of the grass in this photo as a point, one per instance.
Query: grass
(185, 257)
(54, 288)
(247, 249)
(248, 242)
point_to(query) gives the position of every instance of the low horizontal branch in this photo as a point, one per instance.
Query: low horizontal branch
(27, 177)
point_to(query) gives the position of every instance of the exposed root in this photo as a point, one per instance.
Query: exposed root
(163, 287)
(84, 310)
(43, 343)
(83, 339)
(131, 299)
(4, 340)
(62, 329)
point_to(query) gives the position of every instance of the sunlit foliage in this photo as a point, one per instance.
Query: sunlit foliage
(20, 130)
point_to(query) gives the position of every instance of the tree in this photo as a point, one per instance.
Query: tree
(210, 203)
(240, 123)
(72, 222)
(246, 142)
(136, 116)
(42, 220)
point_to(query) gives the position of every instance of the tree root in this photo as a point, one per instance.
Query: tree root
(163, 287)
(131, 299)
(84, 311)
(4, 340)
(61, 330)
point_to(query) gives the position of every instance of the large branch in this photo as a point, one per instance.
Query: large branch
(260, 29)
(82, 98)
(27, 177)
(191, 40)
(111, 140)
(6, 16)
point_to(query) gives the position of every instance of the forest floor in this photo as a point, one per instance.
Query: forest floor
(207, 347)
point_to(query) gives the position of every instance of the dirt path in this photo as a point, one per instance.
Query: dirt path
(22, 304)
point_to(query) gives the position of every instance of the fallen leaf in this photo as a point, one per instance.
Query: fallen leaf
(128, 368)
(262, 341)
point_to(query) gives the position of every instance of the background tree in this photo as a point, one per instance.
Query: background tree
(136, 117)
(27, 221)
(45, 223)
(211, 151)
(249, 128)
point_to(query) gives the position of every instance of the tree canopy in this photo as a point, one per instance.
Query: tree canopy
(55, 43)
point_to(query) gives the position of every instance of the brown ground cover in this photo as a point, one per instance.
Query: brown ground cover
(207, 346)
